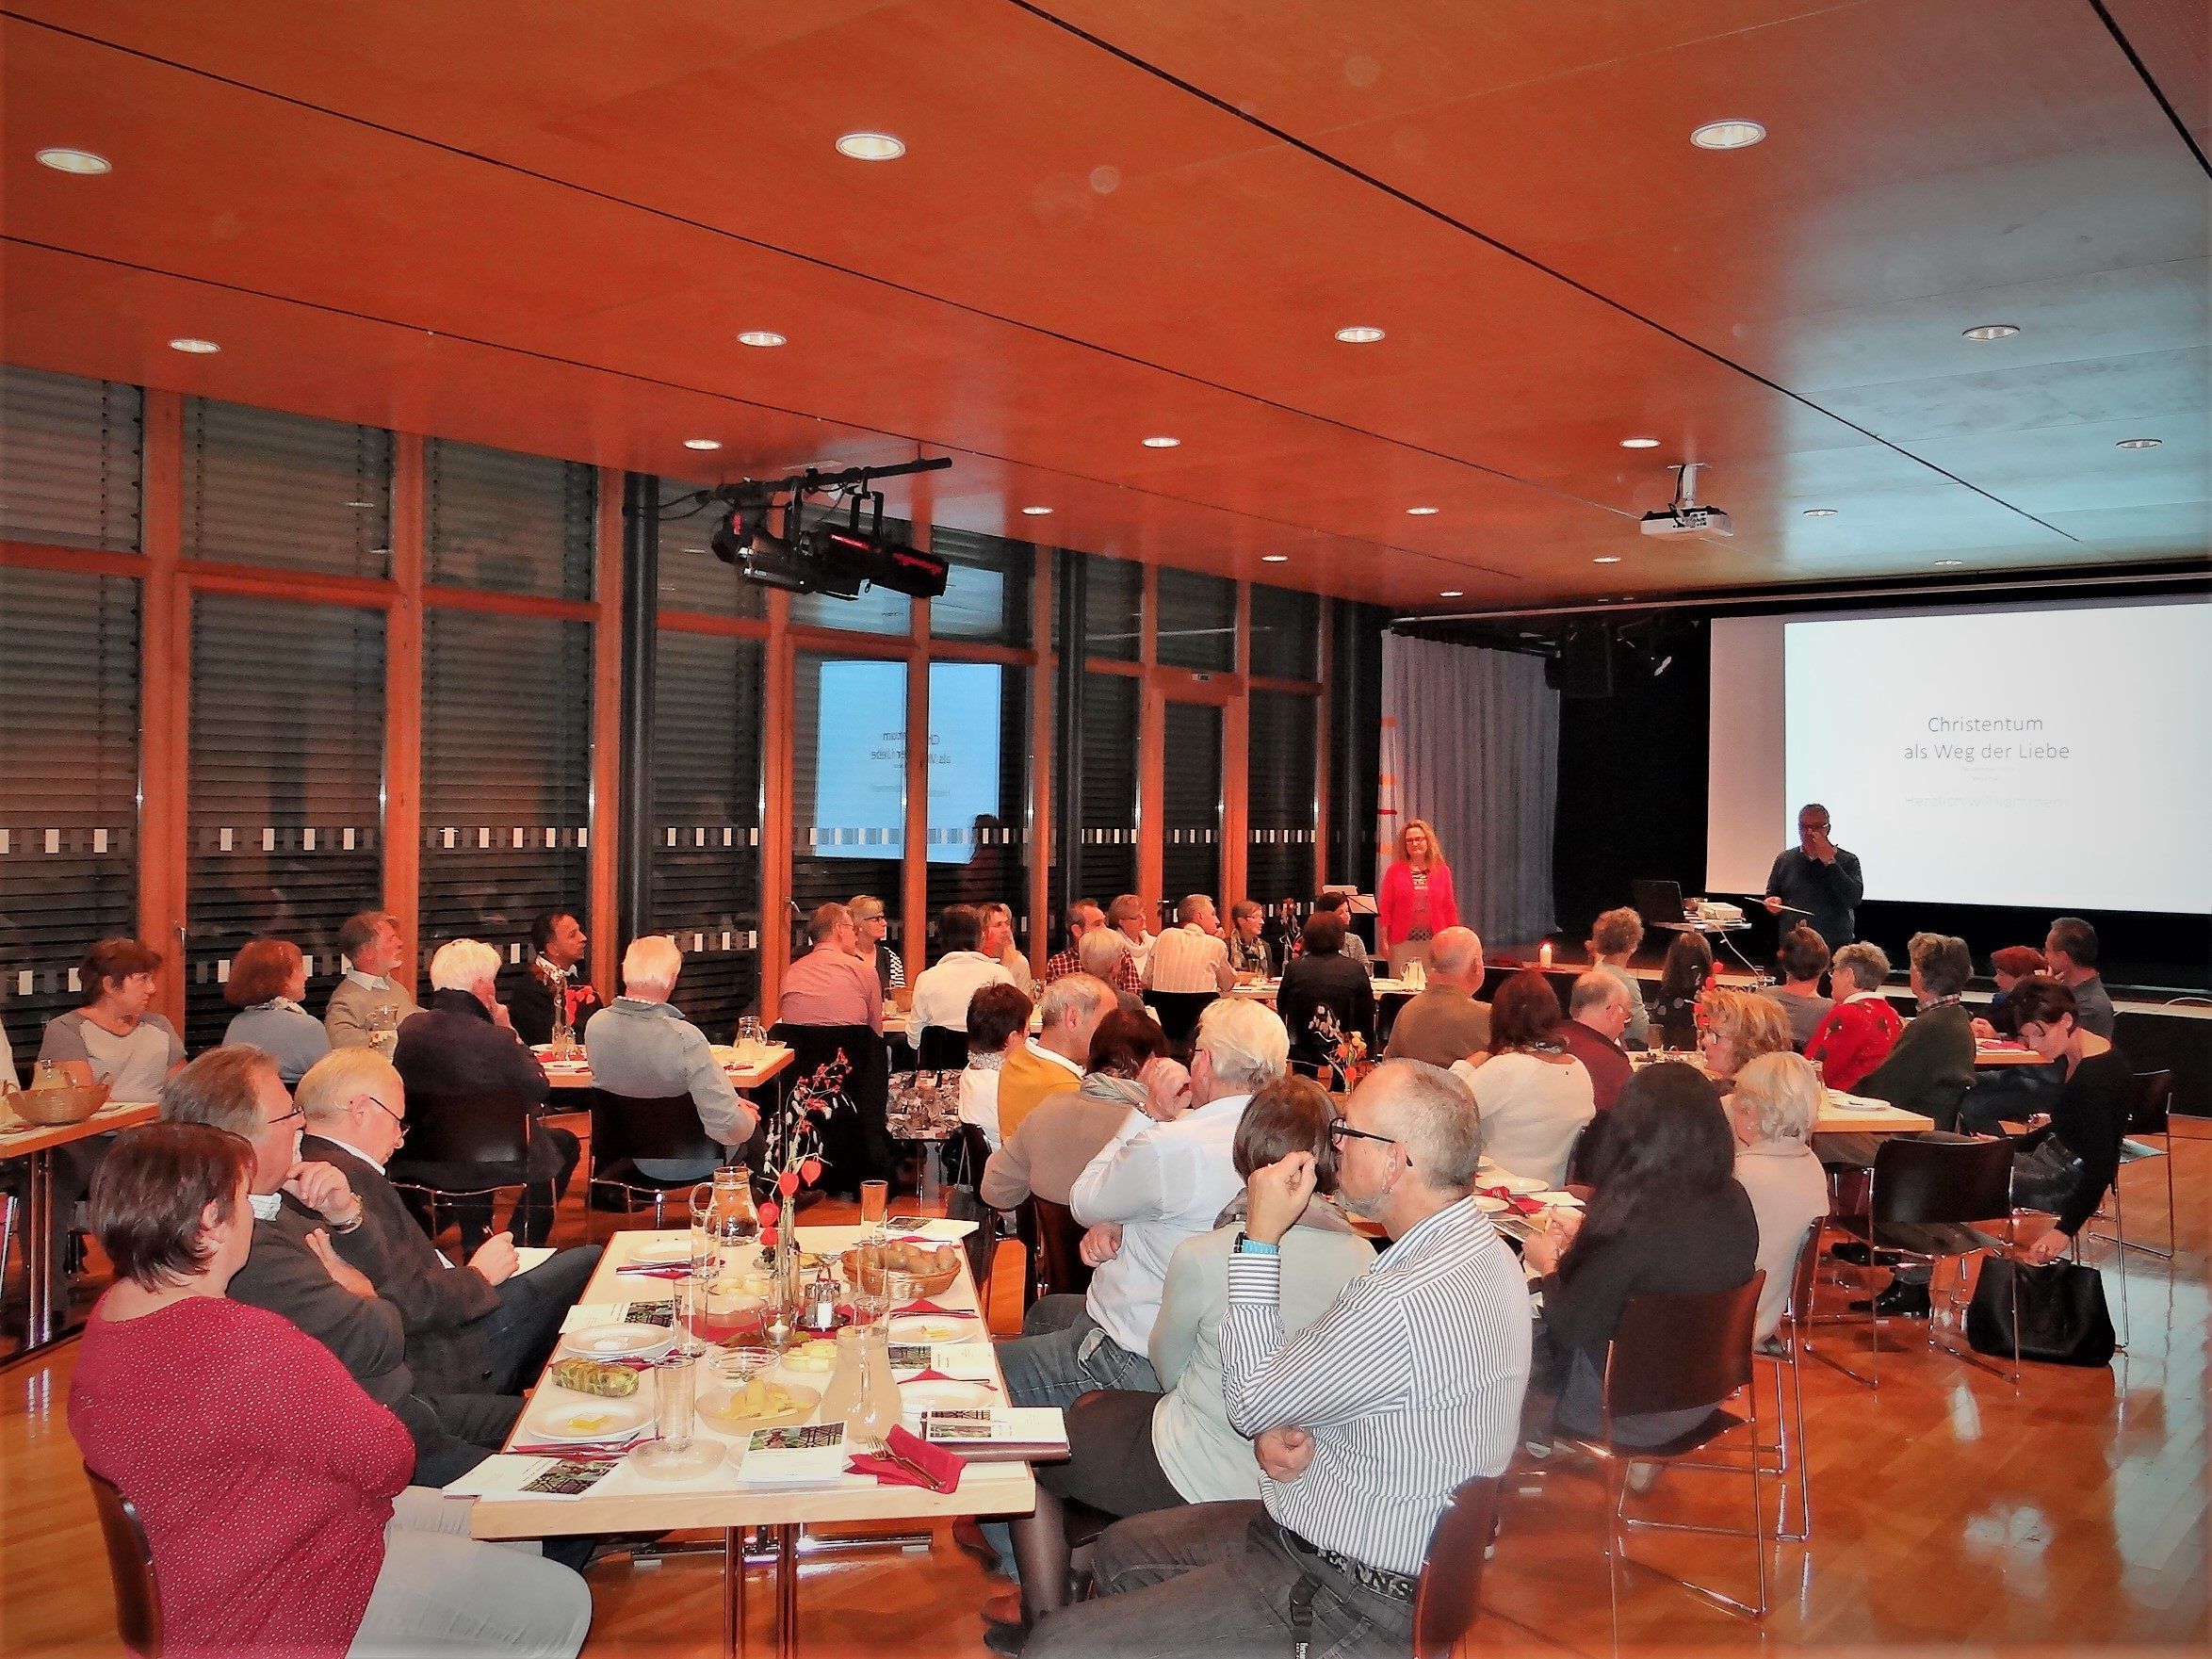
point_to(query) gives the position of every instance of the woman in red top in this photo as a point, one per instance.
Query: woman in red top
(1416, 901)
(1856, 1036)
(264, 1475)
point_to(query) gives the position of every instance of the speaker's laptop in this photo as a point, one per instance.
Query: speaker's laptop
(1657, 901)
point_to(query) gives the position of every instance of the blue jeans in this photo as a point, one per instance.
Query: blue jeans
(527, 1324)
(1065, 1353)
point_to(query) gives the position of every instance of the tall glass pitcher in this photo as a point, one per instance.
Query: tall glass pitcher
(726, 1226)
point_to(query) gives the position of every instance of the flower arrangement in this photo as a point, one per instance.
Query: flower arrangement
(794, 1149)
(1347, 1051)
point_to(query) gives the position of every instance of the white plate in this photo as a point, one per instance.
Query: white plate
(619, 1341)
(917, 1397)
(1490, 1206)
(934, 1327)
(1517, 1184)
(659, 1252)
(585, 1417)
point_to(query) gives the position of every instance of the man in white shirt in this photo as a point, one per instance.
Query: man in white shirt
(941, 990)
(1192, 956)
(1164, 1177)
(1127, 914)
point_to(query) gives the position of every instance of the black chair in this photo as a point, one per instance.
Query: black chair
(968, 1152)
(855, 1141)
(626, 1128)
(1057, 1239)
(1449, 1592)
(1925, 1195)
(130, 1565)
(1678, 1354)
(940, 1049)
(1177, 1013)
(463, 1151)
(2149, 1110)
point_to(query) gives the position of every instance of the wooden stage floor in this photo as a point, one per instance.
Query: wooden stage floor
(1949, 1514)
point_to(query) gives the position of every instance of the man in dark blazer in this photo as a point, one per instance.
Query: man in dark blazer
(294, 1269)
(462, 1047)
(485, 1327)
(555, 967)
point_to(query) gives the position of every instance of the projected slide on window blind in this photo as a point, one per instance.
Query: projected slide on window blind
(860, 795)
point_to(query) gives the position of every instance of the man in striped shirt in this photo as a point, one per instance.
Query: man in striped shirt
(1364, 1423)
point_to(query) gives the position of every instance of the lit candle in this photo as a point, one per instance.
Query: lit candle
(1544, 954)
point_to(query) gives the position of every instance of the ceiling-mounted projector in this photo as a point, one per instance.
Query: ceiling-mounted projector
(1684, 516)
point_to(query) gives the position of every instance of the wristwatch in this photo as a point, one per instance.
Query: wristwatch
(1250, 1246)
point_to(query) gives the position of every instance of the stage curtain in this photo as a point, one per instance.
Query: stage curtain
(1477, 755)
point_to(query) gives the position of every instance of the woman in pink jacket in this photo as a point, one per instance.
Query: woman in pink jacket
(1416, 901)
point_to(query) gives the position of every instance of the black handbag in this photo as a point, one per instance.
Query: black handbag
(2063, 1320)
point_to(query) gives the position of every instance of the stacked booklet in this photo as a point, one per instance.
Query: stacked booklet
(1000, 1434)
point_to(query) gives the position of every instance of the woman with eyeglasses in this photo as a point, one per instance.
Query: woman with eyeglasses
(1131, 1454)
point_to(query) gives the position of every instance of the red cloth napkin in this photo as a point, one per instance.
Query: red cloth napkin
(910, 1461)
(656, 1272)
(1514, 1201)
(926, 1306)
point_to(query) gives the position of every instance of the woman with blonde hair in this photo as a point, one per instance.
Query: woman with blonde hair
(1736, 1028)
(1415, 902)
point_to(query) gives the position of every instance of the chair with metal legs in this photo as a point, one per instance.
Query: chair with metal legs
(1680, 1354)
(1785, 1350)
(2149, 1109)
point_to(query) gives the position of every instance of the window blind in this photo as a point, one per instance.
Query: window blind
(1109, 787)
(265, 488)
(986, 588)
(69, 461)
(847, 839)
(1278, 859)
(1190, 803)
(69, 655)
(1197, 620)
(980, 852)
(692, 579)
(1114, 608)
(505, 777)
(1286, 634)
(514, 524)
(706, 722)
(286, 780)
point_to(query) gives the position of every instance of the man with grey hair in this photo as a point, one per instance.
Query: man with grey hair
(833, 983)
(1164, 1178)
(460, 1049)
(1598, 1011)
(369, 994)
(1192, 956)
(1053, 1059)
(294, 1268)
(485, 1328)
(1363, 1423)
(641, 1048)
(1104, 954)
(1444, 1022)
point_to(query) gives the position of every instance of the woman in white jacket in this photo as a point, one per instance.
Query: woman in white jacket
(1129, 1454)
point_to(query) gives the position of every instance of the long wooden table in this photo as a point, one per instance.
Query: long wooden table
(37, 1142)
(629, 1502)
(577, 1074)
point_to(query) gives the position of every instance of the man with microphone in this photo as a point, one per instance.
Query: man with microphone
(1818, 880)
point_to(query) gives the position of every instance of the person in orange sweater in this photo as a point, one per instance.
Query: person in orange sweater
(1856, 1036)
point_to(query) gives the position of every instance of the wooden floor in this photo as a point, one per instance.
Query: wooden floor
(1949, 1513)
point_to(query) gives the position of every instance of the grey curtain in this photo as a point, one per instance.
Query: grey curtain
(1478, 757)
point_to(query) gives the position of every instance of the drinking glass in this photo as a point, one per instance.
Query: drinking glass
(691, 1314)
(675, 1453)
(875, 1205)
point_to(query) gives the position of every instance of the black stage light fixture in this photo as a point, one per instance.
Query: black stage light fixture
(847, 560)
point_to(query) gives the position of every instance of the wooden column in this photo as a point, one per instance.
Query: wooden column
(165, 685)
(403, 636)
(606, 810)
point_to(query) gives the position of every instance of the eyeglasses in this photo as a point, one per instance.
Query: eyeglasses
(287, 1116)
(1341, 1131)
(390, 1114)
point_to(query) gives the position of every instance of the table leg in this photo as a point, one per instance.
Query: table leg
(733, 1593)
(39, 1247)
(787, 1592)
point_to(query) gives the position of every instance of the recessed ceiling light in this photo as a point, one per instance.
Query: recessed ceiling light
(1424, 511)
(1038, 512)
(1451, 593)
(1727, 135)
(1360, 336)
(871, 146)
(761, 337)
(1275, 558)
(1942, 563)
(2139, 442)
(61, 158)
(1606, 559)
(702, 442)
(1162, 443)
(1820, 513)
(193, 347)
(1639, 442)
(1991, 331)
